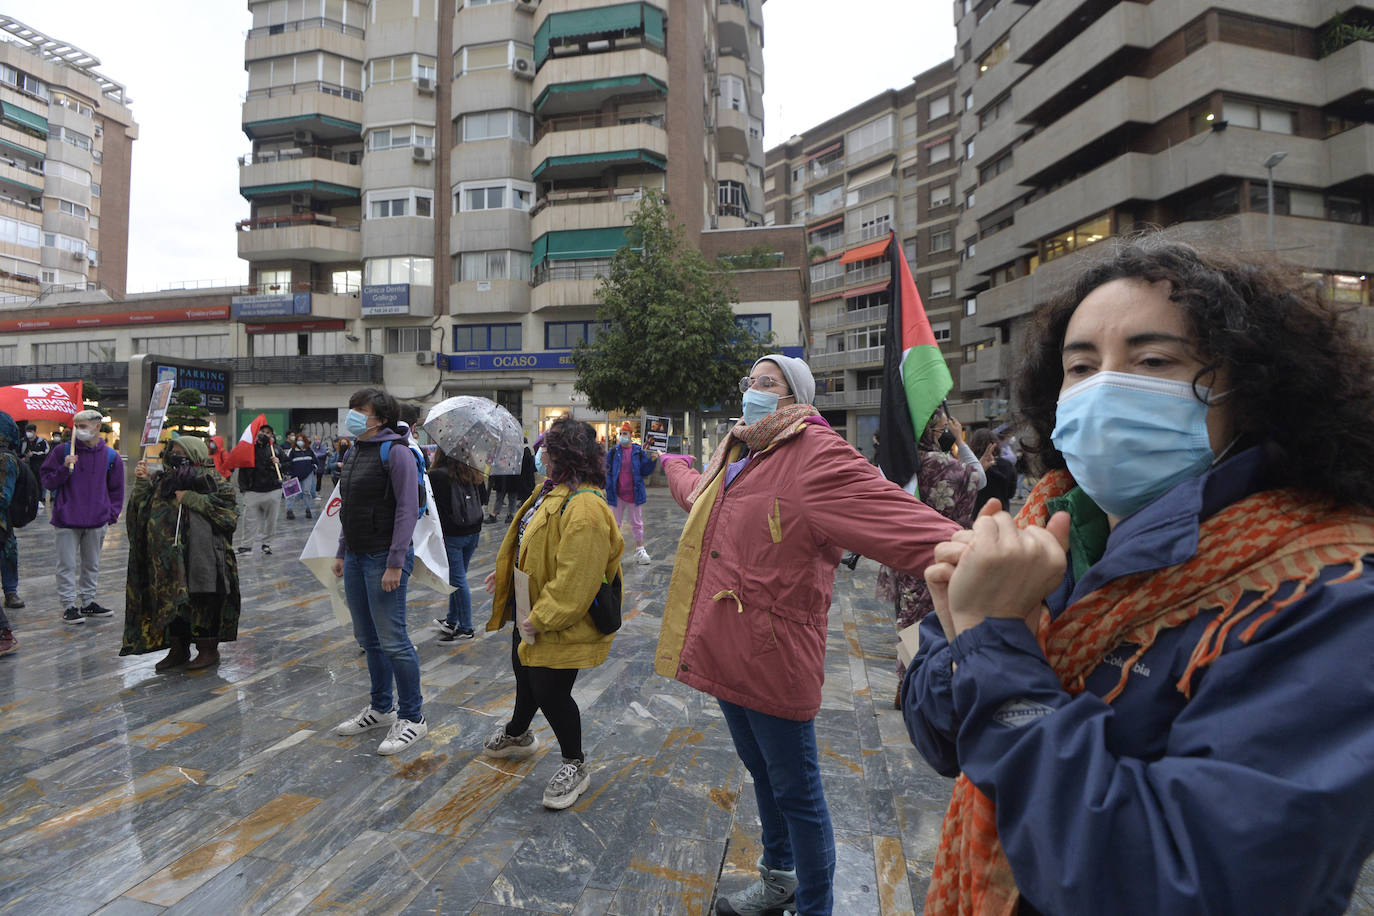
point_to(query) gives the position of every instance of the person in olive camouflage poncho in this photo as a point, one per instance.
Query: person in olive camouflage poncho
(183, 581)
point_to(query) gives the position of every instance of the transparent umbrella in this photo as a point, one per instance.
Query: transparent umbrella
(478, 432)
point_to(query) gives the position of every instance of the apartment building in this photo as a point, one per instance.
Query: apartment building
(66, 138)
(886, 165)
(441, 182)
(1092, 118)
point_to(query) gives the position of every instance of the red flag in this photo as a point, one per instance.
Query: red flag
(221, 456)
(56, 401)
(242, 455)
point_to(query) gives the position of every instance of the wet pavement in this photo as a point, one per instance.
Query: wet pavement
(226, 791)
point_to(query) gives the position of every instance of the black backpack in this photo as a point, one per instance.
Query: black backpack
(464, 504)
(24, 502)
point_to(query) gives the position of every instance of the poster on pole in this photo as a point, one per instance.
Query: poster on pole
(157, 413)
(656, 433)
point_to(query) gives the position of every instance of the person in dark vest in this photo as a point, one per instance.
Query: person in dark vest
(375, 557)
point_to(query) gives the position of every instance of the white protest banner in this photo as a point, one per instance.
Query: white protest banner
(431, 560)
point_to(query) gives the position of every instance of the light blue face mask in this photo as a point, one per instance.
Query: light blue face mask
(355, 422)
(758, 405)
(539, 462)
(1129, 438)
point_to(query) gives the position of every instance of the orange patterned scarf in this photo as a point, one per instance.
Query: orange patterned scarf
(780, 425)
(1252, 547)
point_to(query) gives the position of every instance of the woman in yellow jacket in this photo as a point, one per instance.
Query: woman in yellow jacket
(565, 540)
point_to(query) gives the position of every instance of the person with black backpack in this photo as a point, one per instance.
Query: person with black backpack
(11, 472)
(460, 492)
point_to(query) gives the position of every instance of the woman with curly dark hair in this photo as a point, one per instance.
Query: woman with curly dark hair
(1155, 683)
(562, 546)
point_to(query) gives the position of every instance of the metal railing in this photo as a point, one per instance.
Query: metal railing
(269, 92)
(868, 274)
(847, 358)
(301, 25)
(594, 120)
(292, 153)
(821, 170)
(868, 152)
(874, 230)
(825, 284)
(303, 370)
(589, 269)
(591, 196)
(107, 375)
(873, 189)
(856, 316)
(864, 397)
(298, 219)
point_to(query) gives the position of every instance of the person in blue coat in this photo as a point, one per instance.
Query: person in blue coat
(627, 464)
(1155, 685)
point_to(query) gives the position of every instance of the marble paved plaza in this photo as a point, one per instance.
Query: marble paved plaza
(225, 791)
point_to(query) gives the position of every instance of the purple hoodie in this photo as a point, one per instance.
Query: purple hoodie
(404, 485)
(92, 493)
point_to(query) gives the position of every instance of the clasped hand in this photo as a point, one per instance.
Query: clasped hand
(997, 570)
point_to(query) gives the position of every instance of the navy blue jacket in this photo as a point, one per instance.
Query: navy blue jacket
(642, 464)
(1255, 796)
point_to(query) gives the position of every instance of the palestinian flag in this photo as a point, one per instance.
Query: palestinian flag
(243, 455)
(915, 377)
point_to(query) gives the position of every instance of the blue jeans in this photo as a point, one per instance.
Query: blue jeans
(460, 548)
(379, 625)
(303, 498)
(782, 757)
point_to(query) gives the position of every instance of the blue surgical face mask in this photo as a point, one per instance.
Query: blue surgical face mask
(539, 462)
(355, 422)
(758, 405)
(1128, 438)
(624, 439)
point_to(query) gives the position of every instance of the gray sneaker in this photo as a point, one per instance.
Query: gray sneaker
(567, 785)
(501, 744)
(769, 895)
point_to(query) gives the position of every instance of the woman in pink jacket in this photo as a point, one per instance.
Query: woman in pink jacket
(746, 616)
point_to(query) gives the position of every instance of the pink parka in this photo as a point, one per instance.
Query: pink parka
(746, 614)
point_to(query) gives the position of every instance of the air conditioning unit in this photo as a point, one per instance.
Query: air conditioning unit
(424, 357)
(524, 69)
(300, 200)
(527, 5)
(424, 85)
(79, 255)
(422, 154)
(302, 136)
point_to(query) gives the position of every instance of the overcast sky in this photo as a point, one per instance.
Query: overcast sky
(182, 61)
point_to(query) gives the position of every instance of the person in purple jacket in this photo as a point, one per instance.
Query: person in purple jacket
(381, 504)
(86, 478)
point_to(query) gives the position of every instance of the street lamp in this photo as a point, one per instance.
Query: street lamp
(1273, 160)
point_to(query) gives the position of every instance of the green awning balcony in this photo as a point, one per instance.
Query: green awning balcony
(22, 150)
(323, 126)
(322, 189)
(23, 118)
(586, 164)
(604, 21)
(585, 95)
(578, 244)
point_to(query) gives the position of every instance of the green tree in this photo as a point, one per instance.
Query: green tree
(186, 416)
(670, 340)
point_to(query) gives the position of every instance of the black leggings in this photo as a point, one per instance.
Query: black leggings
(548, 690)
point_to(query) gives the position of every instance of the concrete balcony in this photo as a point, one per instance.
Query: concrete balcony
(489, 230)
(971, 332)
(489, 297)
(564, 293)
(314, 237)
(993, 27)
(1037, 30)
(994, 365)
(554, 145)
(294, 171)
(1125, 178)
(483, 159)
(488, 90)
(1020, 297)
(732, 25)
(398, 102)
(304, 36)
(839, 318)
(1349, 72)
(863, 397)
(398, 235)
(848, 359)
(585, 68)
(1126, 101)
(1351, 154)
(968, 377)
(732, 131)
(303, 101)
(1124, 28)
(29, 183)
(593, 209)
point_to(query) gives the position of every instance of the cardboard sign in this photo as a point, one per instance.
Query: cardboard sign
(157, 413)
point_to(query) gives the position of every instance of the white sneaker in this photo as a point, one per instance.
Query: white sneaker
(364, 721)
(402, 735)
(642, 556)
(567, 785)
